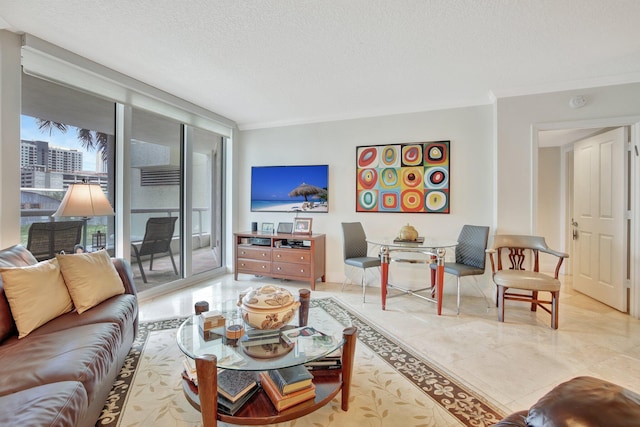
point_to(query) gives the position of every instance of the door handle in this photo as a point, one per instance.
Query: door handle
(574, 224)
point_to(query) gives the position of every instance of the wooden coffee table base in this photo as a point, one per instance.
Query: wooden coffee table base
(259, 410)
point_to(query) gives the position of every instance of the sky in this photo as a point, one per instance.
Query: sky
(29, 132)
(276, 182)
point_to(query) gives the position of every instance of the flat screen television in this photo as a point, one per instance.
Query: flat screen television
(302, 188)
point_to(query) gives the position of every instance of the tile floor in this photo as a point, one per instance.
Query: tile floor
(512, 363)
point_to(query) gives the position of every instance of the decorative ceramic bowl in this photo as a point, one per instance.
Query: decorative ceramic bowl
(268, 307)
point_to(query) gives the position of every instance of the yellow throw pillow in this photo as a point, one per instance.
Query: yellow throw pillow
(36, 294)
(91, 278)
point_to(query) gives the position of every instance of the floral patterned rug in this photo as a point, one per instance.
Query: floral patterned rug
(390, 385)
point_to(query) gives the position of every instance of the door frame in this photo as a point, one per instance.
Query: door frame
(634, 251)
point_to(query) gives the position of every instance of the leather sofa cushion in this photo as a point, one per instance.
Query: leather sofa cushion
(586, 402)
(16, 256)
(84, 353)
(7, 326)
(57, 404)
(121, 310)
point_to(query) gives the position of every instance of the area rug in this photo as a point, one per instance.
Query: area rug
(390, 385)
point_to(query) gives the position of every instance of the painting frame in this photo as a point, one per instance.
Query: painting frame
(302, 225)
(407, 177)
(290, 188)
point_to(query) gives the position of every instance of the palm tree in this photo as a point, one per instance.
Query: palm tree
(89, 139)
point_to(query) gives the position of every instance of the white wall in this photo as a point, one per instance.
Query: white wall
(334, 143)
(517, 118)
(550, 201)
(9, 137)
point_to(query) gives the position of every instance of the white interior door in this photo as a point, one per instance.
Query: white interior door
(599, 188)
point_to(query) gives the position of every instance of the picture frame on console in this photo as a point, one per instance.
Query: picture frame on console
(267, 227)
(285, 227)
(302, 225)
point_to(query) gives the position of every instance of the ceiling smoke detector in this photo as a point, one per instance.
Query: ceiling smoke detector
(578, 101)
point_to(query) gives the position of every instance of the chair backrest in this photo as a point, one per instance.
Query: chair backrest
(354, 240)
(46, 239)
(472, 246)
(519, 241)
(518, 246)
(158, 235)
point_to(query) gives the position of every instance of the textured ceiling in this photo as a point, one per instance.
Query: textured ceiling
(276, 62)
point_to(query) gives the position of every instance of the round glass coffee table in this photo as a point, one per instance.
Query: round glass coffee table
(295, 345)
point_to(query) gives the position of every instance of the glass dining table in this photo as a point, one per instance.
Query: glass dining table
(391, 250)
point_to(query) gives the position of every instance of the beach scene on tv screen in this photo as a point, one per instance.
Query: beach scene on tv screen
(290, 188)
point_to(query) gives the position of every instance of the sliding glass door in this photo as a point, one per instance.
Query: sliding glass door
(205, 192)
(156, 182)
(174, 169)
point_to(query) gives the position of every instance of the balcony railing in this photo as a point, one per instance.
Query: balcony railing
(40, 215)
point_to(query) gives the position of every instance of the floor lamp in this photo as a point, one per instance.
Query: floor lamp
(84, 200)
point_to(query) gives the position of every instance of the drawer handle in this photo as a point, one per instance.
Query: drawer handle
(263, 267)
(242, 265)
(243, 253)
(302, 258)
(264, 254)
(279, 256)
(279, 268)
(302, 271)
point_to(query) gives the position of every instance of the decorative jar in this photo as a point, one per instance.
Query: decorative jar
(268, 307)
(408, 232)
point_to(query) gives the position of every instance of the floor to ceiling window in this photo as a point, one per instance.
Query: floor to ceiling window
(158, 159)
(67, 136)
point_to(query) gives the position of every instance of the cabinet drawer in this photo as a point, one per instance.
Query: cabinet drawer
(290, 269)
(254, 266)
(299, 256)
(253, 252)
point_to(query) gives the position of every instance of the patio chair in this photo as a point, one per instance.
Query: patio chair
(157, 240)
(46, 239)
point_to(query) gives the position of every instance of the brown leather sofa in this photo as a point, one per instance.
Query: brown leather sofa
(581, 402)
(61, 373)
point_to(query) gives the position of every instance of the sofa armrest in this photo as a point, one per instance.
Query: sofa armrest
(586, 401)
(583, 401)
(517, 419)
(124, 271)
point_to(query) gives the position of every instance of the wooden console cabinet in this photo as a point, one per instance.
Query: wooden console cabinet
(283, 256)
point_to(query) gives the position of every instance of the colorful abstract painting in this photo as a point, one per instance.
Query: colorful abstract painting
(411, 177)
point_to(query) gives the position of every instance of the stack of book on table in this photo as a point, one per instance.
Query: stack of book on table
(259, 337)
(235, 388)
(332, 360)
(287, 387)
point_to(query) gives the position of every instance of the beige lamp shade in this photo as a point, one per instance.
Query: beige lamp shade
(84, 200)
